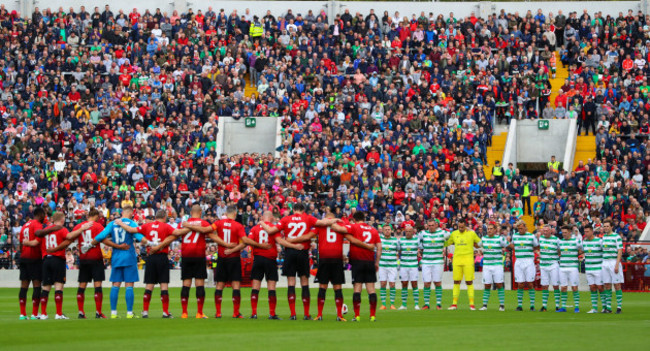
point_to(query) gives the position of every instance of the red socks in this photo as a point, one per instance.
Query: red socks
(356, 302)
(146, 300)
(99, 298)
(291, 295)
(81, 297)
(44, 298)
(273, 301)
(217, 301)
(236, 302)
(164, 298)
(372, 299)
(254, 297)
(58, 300)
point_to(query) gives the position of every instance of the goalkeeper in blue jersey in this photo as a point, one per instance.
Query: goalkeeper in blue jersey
(124, 261)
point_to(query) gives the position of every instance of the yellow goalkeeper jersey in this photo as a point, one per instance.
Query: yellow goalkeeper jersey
(463, 243)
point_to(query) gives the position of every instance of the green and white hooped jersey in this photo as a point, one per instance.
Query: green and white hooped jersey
(432, 246)
(524, 245)
(593, 254)
(389, 250)
(569, 253)
(493, 250)
(408, 249)
(548, 251)
(611, 244)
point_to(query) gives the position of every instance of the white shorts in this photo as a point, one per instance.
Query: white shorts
(608, 275)
(492, 274)
(594, 278)
(550, 276)
(524, 270)
(569, 277)
(408, 274)
(432, 273)
(388, 274)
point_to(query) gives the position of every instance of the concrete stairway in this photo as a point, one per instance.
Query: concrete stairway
(495, 152)
(530, 221)
(585, 149)
(561, 74)
(250, 89)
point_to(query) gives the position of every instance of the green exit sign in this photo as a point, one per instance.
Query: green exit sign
(542, 124)
(250, 122)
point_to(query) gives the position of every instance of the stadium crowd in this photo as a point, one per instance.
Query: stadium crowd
(390, 114)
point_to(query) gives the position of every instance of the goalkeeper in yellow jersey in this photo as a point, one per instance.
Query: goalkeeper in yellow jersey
(464, 241)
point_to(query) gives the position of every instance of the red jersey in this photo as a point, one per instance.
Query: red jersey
(368, 235)
(229, 231)
(297, 225)
(87, 236)
(53, 240)
(194, 243)
(330, 243)
(157, 232)
(259, 235)
(27, 233)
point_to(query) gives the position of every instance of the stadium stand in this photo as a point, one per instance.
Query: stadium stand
(391, 115)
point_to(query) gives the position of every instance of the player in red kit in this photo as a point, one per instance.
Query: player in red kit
(53, 247)
(296, 262)
(91, 264)
(265, 263)
(193, 264)
(330, 262)
(157, 264)
(31, 263)
(364, 263)
(230, 234)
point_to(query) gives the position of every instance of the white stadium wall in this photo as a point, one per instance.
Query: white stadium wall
(235, 138)
(9, 279)
(460, 9)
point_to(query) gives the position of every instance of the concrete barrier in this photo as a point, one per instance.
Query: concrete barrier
(235, 138)
(406, 8)
(9, 279)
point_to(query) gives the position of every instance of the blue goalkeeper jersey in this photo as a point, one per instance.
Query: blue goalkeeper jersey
(121, 258)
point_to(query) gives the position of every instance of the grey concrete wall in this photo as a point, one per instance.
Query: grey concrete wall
(235, 138)
(534, 145)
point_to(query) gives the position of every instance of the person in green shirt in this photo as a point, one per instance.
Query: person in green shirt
(418, 148)
(388, 262)
(593, 248)
(493, 246)
(408, 265)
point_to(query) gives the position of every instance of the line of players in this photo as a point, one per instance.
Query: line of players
(559, 264)
(43, 260)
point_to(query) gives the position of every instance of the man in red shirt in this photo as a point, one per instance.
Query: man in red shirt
(297, 261)
(193, 264)
(265, 253)
(53, 247)
(229, 259)
(91, 263)
(330, 262)
(31, 262)
(157, 264)
(364, 263)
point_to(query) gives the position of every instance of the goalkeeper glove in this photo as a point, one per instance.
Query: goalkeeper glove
(86, 247)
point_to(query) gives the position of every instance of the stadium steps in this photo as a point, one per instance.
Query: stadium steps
(250, 89)
(585, 149)
(495, 152)
(561, 73)
(530, 220)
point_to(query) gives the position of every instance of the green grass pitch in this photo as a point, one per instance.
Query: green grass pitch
(398, 330)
